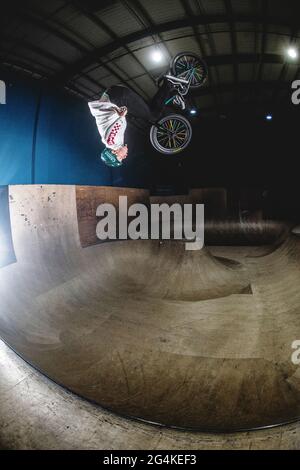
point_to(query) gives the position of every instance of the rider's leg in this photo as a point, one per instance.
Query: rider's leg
(123, 96)
(159, 101)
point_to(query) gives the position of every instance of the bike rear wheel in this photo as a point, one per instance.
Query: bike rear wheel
(171, 135)
(190, 66)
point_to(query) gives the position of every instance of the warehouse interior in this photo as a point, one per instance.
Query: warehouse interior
(142, 344)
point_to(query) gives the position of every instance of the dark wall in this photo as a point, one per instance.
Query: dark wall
(17, 119)
(240, 151)
(48, 137)
(7, 254)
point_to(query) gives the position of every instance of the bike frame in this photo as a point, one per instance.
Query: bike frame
(181, 90)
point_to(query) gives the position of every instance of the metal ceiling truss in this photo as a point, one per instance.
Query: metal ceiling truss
(70, 74)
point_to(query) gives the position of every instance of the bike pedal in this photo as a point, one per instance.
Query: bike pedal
(178, 101)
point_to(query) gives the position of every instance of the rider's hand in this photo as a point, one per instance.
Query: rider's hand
(121, 153)
(122, 111)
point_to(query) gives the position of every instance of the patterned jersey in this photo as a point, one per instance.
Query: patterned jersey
(110, 125)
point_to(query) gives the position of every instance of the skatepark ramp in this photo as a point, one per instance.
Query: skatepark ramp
(199, 340)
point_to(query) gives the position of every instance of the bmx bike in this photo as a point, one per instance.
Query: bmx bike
(172, 133)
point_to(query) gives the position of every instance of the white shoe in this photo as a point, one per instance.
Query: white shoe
(178, 101)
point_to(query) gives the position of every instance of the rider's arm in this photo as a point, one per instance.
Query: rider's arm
(122, 112)
(98, 107)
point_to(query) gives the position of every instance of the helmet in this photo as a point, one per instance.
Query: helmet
(109, 158)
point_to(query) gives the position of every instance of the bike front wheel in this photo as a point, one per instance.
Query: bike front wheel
(190, 66)
(171, 135)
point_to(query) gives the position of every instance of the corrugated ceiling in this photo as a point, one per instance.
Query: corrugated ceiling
(85, 46)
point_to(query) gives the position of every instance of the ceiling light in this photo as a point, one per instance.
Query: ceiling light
(292, 53)
(269, 117)
(157, 56)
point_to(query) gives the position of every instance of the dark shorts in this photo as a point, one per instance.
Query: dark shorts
(123, 96)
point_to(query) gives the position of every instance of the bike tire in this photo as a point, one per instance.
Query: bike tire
(157, 141)
(179, 62)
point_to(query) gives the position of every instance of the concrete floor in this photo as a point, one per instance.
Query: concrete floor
(197, 340)
(35, 413)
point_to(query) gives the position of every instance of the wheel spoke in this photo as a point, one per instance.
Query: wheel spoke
(172, 134)
(164, 138)
(181, 136)
(190, 68)
(181, 126)
(176, 126)
(181, 139)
